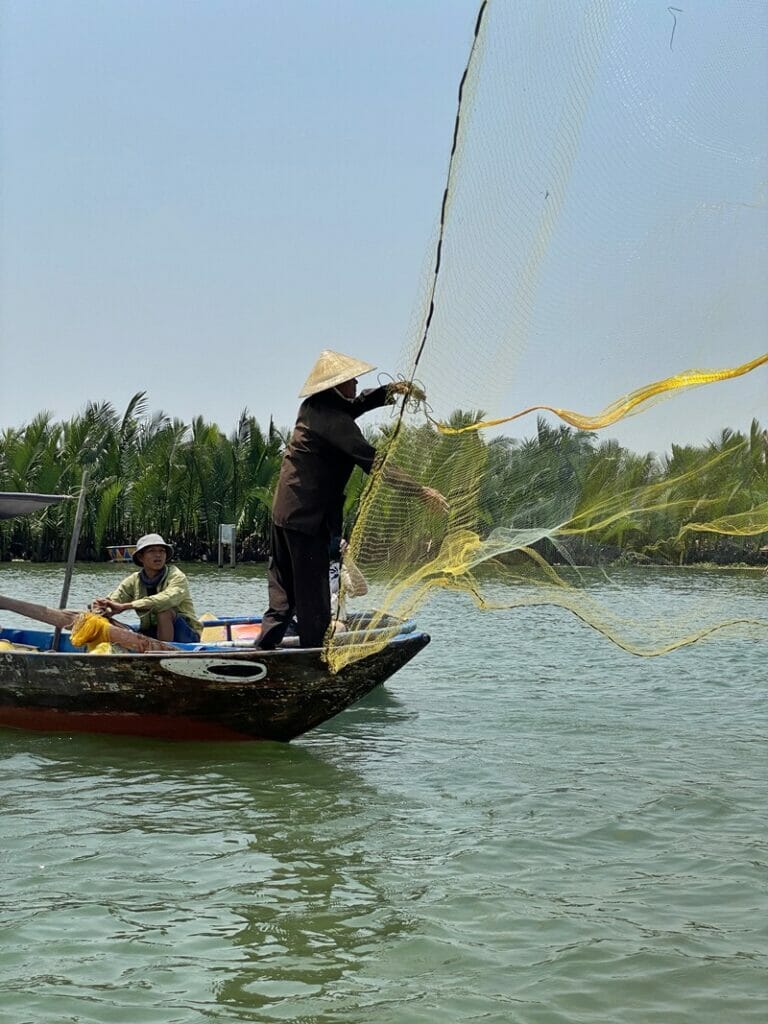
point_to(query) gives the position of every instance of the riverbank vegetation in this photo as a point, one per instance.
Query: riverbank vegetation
(153, 472)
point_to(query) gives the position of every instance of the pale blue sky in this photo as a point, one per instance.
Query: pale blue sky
(199, 196)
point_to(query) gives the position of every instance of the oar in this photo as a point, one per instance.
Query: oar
(72, 554)
(63, 619)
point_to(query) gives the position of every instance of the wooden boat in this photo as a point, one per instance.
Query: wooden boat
(222, 690)
(219, 691)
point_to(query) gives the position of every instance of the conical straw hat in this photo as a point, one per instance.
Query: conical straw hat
(333, 368)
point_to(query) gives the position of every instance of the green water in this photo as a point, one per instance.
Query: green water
(528, 826)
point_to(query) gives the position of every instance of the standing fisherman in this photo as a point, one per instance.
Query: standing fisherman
(308, 505)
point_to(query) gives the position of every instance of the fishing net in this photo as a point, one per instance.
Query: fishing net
(601, 246)
(98, 634)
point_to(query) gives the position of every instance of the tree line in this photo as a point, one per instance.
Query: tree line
(150, 472)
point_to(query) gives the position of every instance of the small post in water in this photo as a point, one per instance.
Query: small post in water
(227, 535)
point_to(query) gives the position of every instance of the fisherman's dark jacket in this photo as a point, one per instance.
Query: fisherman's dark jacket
(325, 447)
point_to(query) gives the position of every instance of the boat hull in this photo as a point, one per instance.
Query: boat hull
(235, 694)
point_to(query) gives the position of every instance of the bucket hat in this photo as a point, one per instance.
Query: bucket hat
(333, 368)
(151, 540)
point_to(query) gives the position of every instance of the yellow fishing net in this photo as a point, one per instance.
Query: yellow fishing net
(9, 646)
(91, 631)
(604, 228)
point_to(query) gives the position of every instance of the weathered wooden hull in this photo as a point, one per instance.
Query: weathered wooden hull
(235, 694)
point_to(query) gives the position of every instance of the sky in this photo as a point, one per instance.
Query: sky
(198, 197)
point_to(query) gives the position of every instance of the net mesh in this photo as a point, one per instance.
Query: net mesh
(602, 233)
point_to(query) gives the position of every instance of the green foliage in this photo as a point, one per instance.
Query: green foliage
(147, 472)
(151, 472)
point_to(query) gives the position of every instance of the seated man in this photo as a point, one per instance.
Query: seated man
(158, 593)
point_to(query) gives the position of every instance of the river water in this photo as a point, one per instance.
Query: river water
(525, 825)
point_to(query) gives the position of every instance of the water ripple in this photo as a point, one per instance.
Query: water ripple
(496, 836)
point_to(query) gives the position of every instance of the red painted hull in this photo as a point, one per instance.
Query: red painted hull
(158, 727)
(232, 694)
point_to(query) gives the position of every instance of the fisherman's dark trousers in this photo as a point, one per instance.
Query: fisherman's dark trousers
(298, 584)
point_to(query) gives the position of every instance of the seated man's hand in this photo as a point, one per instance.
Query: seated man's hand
(104, 606)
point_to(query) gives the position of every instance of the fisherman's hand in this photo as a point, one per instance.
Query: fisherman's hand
(407, 388)
(433, 499)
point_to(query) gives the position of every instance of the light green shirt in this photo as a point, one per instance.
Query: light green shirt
(173, 592)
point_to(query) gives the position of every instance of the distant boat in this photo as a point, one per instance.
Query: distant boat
(121, 552)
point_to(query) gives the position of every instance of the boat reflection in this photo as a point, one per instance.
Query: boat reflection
(254, 860)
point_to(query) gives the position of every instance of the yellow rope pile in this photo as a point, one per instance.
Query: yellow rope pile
(8, 645)
(91, 631)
